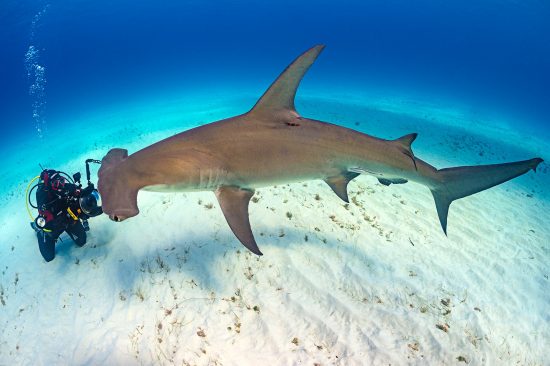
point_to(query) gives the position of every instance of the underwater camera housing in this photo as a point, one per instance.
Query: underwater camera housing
(90, 200)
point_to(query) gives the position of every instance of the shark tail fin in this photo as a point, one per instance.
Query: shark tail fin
(280, 95)
(455, 183)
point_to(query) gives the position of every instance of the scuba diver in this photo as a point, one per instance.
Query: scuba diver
(63, 206)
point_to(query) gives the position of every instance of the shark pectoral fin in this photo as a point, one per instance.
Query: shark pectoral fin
(234, 203)
(339, 184)
(280, 95)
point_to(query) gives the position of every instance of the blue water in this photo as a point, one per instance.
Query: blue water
(493, 56)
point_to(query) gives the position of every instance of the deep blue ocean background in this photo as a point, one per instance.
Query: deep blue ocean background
(491, 55)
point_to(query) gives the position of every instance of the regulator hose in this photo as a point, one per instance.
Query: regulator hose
(27, 197)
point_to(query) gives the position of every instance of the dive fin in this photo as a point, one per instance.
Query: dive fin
(455, 183)
(339, 184)
(234, 203)
(280, 95)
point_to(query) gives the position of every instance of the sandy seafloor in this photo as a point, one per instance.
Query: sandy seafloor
(373, 282)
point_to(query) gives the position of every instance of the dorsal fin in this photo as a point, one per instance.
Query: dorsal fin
(280, 95)
(407, 140)
(405, 143)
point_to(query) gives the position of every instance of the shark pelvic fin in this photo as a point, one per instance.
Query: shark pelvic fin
(455, 183)
(234, 203)
(280, 95)
(339, 184)
(387, 182)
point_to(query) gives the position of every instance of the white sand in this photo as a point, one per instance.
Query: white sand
(357, 284)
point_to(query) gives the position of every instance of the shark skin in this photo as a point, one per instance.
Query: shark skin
(272, 144)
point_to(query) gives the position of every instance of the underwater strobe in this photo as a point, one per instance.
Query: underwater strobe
(80, 207)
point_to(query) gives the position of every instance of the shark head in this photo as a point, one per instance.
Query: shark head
(119, 197)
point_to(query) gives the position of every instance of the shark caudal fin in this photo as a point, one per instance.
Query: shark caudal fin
(455, 183)
(280, 95)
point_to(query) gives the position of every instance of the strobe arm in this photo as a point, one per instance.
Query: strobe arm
(88, 161)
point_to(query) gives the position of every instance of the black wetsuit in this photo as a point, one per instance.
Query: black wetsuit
(57, 202)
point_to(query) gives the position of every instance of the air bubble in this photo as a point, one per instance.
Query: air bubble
(36, 75)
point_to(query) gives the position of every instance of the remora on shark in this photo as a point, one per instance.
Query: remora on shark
(273, 144)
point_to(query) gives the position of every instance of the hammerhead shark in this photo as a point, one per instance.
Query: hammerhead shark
(272, 144)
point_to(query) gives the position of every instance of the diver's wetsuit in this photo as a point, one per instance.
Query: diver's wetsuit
(56, 199)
